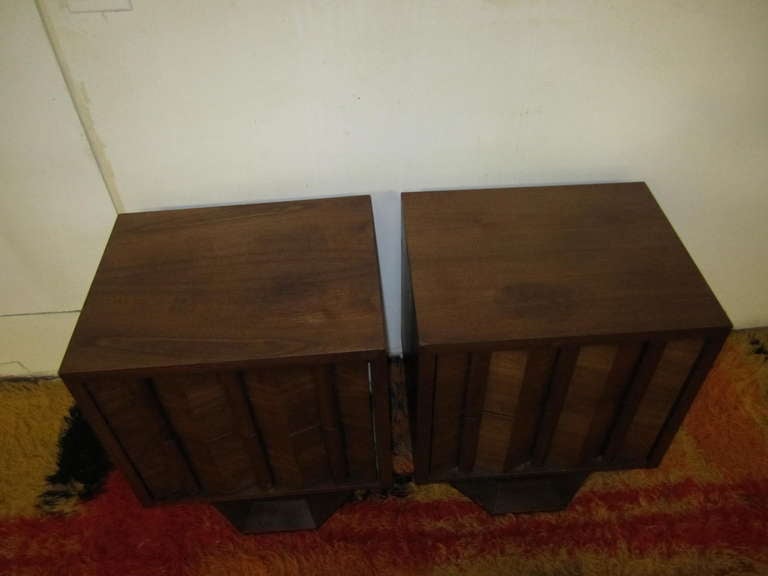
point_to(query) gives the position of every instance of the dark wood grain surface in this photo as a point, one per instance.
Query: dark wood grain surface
(239, 354)
(232, 284)
(518, 264)
(548, 332)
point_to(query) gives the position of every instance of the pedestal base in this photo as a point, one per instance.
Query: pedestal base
(521, 495)
(283, 515)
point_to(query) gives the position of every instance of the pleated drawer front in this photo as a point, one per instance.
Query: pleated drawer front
(558, 408)
(251, 432)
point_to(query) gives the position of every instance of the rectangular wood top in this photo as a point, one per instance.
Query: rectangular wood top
(521, 264)
(231, 284)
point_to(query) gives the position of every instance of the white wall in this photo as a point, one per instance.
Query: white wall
(236, 101)
(54, 213)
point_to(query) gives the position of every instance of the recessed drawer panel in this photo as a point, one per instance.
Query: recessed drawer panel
(662, 391)
(450, 390)
(207, 413)
(585, 391)
(516, 389)
(285, 406)
(134, 415)
(316, 423)
(351, 389)
(502, 393)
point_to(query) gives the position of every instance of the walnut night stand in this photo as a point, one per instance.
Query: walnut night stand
(237, 355)
(548, 332)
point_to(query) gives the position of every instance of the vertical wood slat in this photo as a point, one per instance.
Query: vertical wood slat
(537, 375)
(247, 427)
(266, 398)
(588, 385)
(309, 449)
(136, 418)
(659, 398)
(705, 361)
(354, 404)
(284, 403)
(619, 379)
(424, 403)
(649, 359)
(477, 379)
(555, 400)
(330, 423)
(450, 390)
(379, 368)
(506, 372)
(306, 434)
(199, 407)
(109, 439)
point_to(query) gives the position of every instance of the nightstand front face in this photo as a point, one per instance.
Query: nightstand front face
(549, 330)
(238, 352)
(243, 433)
(557, 408)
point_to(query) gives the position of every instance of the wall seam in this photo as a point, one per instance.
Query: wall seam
(45, 313)
(80, 104)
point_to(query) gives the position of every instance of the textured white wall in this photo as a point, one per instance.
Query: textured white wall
(234, 101)
(54, 213)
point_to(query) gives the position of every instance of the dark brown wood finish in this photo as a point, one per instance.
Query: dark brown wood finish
(354, 403)
(109, 440)
(137, 419)
(246, 427)
(622, 368)
(422, 430)
(239, 353)
(329, 424)
(199, 409)
(553, 331)
(447, 410)
(579, 417)
(551, 417)
(659, 397)
(528, 494)
(649, 360)
(286, 514)
(538, 370)
(521, 264)
(379, 375)
(695, 379)
(503, 391)
(473, 406)
(232, 285)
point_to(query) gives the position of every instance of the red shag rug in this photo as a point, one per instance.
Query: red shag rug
(703, 512)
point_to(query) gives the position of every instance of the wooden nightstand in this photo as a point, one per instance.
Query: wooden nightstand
(548, 332)
(237, 355)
